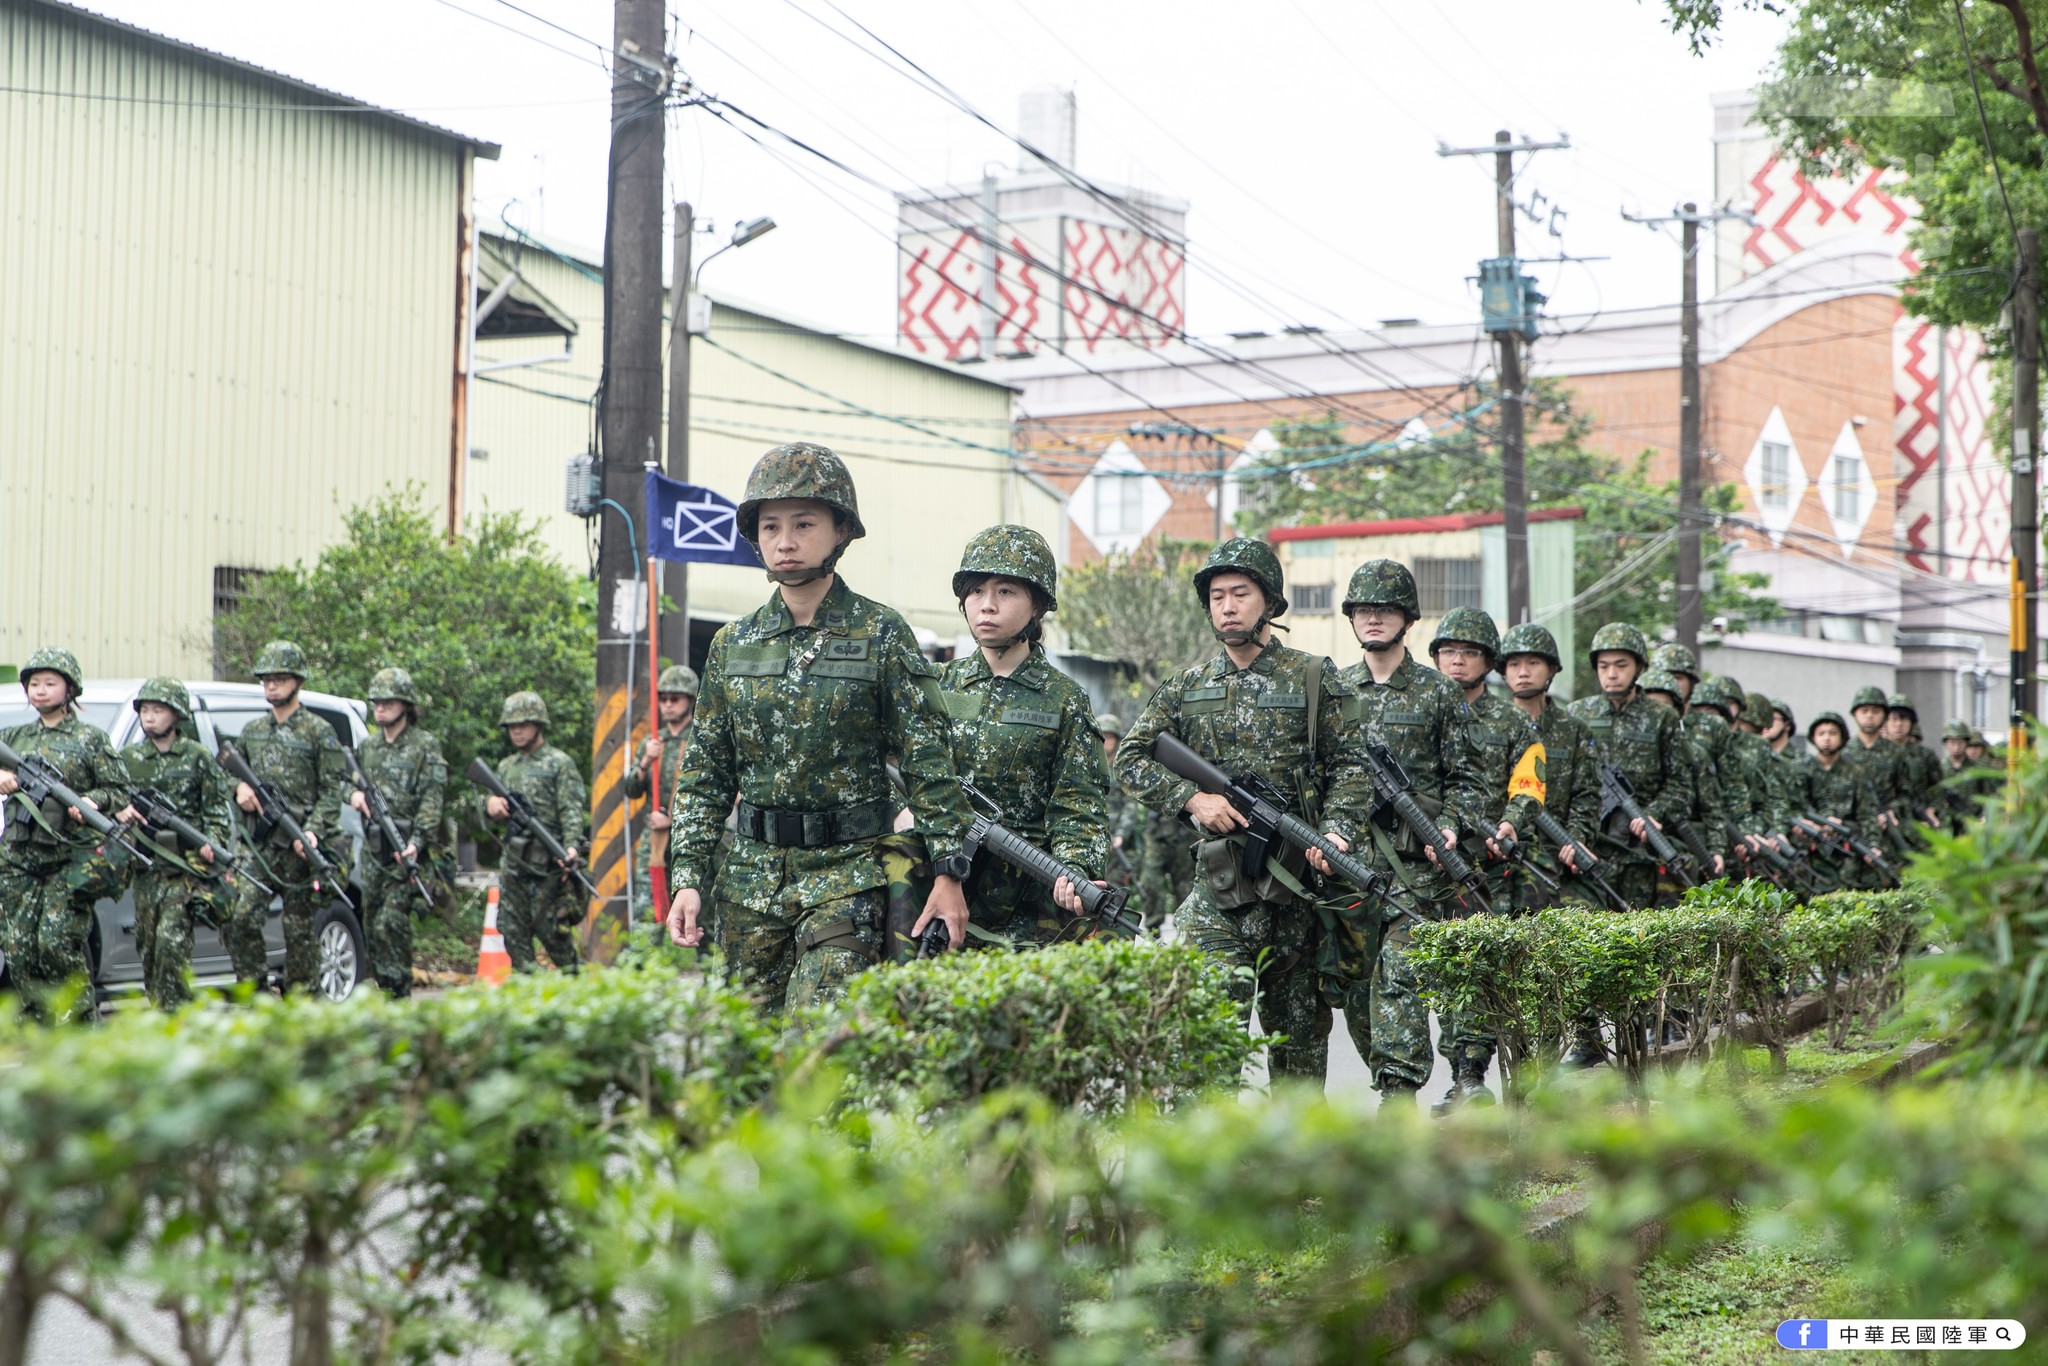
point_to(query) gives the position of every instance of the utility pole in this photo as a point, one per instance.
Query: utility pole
(1509, 339)
(631, 428)
(2026, 508)
(675, 583)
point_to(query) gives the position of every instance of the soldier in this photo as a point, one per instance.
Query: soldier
(538, 899)
(1783, 732)
(1703, 735)
(1124, 815)
(1262, 707)
(1826, 786)
(1919, 768)
(675, 700)
(1641, 739)
(1024, 733)
(1878, 759)
(1568, 782)
(1729, 790)
(804, 701)
(405, 764)
(299, 754)
(170, 898)
(1684, 668)
(1759, 716)
(1755, 824)
(1421, 718)
(52, 867)
(1959, 787)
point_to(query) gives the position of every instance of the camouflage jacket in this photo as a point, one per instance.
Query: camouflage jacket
(1571, 781)
(1642, 739)
(674, 745)
(1731, 805)
(548, 779)
(84, 758)
(1500, 734)
(1921, 771)
(302, 759)
(1029, 742)
(1767, 783)
(1819, 792)
(1422, 719)
(412, 777)
(1254, 720)
(805, 718)
(1880, 763)
(1710, 814)
(189, 779)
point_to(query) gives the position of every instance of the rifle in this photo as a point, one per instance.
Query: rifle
(41, 784)
(1829, 832)
(523, 817)
(935, 940)
(1689, 836)
(380, 812)
(1617, 795)
(1390, 783)
(157, 810)
(1767, 850)
(275, 814)
(1518, 858)
(1552, 829)
(1104, 905)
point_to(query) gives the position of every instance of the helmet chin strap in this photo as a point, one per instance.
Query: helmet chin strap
(1245, 635)
(793, 577)
(1525, 693)
(1380, 647)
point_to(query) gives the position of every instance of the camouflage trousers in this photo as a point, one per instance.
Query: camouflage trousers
(389, 904)
(1166, 869)
(1266, 947)
(1637, 881)
(543, 906)
(244, 930)
(45, 917)
(787, 955)
(1382, 1002)
(1008, 905)
(167, 906)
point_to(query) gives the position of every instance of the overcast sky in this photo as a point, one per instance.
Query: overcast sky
(1302, 132)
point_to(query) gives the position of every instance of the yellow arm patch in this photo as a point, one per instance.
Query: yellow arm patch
(1527, 779)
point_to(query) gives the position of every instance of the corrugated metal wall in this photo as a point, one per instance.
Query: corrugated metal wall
(219, 327)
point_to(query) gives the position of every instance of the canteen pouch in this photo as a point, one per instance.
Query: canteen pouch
(1221, 865)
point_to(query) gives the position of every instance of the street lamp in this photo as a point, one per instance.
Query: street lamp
(742, 234)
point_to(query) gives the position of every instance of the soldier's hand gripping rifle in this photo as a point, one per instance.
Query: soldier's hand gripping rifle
(1104, 905)
(1616, 794)
(159, 813)
(1518, 858)
(273, 812)
(41, 784)
(1830, 833)
(380, 812)
(1695, 844)
(523, 818)
(1587, 869)
(1767, 850)
(1390, 784)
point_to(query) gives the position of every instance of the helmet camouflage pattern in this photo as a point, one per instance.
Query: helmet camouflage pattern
(1676, 659)
(281, 657)
(1779, 704)
(1827, 718)
(1467, 626)
(1957, 729)
(1109, 723)
(1756, 709)
(1869, 695)
(1619, 635)
(1015, 552)
(801, 469)
(1253, 559)
(524, 706)
(61, 662)
(168, 691)
(392, 685)
(1898, 701)
(677, 678)
(1383, 583)
(1660, 680)
(1713, 691)
(1531, 639)
(1733, 690)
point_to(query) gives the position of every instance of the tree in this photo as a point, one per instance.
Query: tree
(1139, 608)
(472, 619)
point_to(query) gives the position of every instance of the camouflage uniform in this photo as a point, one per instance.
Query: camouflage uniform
(1256, 720)
(1919, 766)
(412, 777)
(1122, 814)
(800, 722)
(1880, 760)
(301, 757)
(676, 678)
(53, 869)
(1724, 805)
(169, 900)
(1421, 718)
(1840, 790)
(1569, 775)
(536, 899)
(1642, 739)
(1707, 817)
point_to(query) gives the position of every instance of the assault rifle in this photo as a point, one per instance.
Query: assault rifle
(523, 817)
(273, 813)
(1617, 795)
(935, 940)
(1695, 844)
(1390, 784)
(1830, 833)
(1517, 857)
(158, 812)
(1552, 829)
(1767, 850)
(41, 784)
(380, 812)
(1104, 905)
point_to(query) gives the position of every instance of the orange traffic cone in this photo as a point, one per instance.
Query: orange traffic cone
(493, 964)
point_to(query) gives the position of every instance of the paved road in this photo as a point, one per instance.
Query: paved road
(1349, 1078)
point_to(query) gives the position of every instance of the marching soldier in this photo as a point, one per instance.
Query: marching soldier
(1919, 768)
(1724, 798)
(1709, 812)
(1641, 739)
(1876, 758)
(1684, 668)
(405, 765)
(1783, 732)
(299, 754)
(1826, 785)
(1568, 783)
(675, 700)
(538, 899)
(168, 898)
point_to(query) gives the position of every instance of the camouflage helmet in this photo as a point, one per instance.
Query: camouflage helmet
(1015, 552)
(281, 657)
(1783, 708)
(524, 706)
(1467, 626)
(1957, 729)
(1619, 635)
(1713, 691)
(392, 685)
(1898, 701)
(1977, 739)
(1674, 658)
(1256, 561)
(1827, 718)
(1732, 686)
(1383, 582)
(1660, 680)
(1109, 723)
(60, 662)
(168, 691)
(1756, 709)
(801, 469)
(1869, 695)
(1531, 639)
(677, 678)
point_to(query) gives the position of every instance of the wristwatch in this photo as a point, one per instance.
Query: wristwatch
(956, 866)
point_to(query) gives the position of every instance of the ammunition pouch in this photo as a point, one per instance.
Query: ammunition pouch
(1220, 864)
(843, 933)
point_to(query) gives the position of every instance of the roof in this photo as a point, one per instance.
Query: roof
(1408, 526)
(340, 102)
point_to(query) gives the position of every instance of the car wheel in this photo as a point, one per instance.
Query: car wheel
(339, 957)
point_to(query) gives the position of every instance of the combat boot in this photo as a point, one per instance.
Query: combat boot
(1468, 1087)
(1395, 1090)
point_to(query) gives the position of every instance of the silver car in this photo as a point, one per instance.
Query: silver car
(219, 711)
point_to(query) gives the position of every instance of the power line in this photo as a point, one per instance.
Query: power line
(530, 37)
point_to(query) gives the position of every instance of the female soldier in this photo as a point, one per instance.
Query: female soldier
(1023, 732)
(802, 703)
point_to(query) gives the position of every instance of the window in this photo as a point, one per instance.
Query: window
(1775, 487)
(1846, 474)
(1444, 584)
(1118, 502)
(1313, 597)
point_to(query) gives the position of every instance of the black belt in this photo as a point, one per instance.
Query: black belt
(816, 829)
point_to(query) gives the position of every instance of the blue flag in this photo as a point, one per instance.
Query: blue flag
(690, 522)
